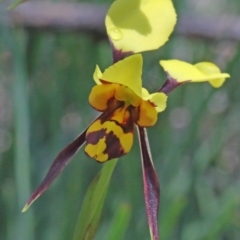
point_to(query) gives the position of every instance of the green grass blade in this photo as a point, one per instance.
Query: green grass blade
(15, 4)
(172, 217)
(120, 222)
(25, 225)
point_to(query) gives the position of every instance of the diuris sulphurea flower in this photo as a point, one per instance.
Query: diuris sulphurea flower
(118, 94)
(132, 27)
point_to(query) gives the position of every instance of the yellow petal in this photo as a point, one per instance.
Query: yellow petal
(97, 75)
(183, 71)
(100, 95)
(127, 95)
(209, 68)
(147, 114)
(110, 138)
(159, 100)
(145, 94)
(140, 25)
(97, 150)
(126, 72)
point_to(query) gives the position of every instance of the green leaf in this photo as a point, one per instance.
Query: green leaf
(93, 203)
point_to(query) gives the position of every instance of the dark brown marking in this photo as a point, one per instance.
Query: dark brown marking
(94, 137)
(114, 148)
(127, 128)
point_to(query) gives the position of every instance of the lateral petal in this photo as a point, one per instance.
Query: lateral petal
(147, 114)
(208, 69)
(202, 72)
(159, 100)
(100, 96)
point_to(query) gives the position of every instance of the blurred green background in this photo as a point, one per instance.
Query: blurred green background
(45, 80)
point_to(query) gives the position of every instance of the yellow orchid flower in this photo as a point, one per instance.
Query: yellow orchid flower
(181, 72)
(139, 25)
(124, 103)
(118, 94)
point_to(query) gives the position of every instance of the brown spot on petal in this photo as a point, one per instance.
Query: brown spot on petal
(93, 137)
(114, 148)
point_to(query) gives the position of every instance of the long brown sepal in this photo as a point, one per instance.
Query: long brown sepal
(151, 184)
(57, 166)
